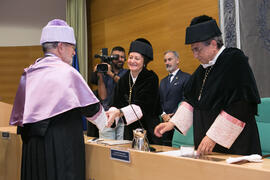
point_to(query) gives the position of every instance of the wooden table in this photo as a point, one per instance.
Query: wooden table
(143, 165)
(154, 166)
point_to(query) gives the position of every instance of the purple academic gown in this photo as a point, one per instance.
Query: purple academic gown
(48, 106)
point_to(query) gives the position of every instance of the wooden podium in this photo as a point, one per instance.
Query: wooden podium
(10, 153)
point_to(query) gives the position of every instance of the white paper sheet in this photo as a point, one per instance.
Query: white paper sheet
(116, 142)
(175, 153)
(250, 158)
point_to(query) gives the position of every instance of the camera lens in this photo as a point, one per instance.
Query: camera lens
(102, 68)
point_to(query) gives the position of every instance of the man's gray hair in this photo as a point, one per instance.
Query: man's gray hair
(48, 46)
(218, 39)
(175, 53)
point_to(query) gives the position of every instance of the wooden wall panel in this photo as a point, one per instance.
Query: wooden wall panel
(118, 22)
(162, 22)
(12, 62)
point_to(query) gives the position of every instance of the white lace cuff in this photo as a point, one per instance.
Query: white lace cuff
(183, 117)
(132, 113)
(225, 129)
(99, 119)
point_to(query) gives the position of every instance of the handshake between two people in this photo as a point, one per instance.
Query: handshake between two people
(131, 112)
(113, 115)
(206, 146)
(134, 113)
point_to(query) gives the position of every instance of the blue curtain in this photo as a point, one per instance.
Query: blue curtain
(75, 64)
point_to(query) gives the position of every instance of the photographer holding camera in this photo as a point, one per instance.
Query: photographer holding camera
(105, 76)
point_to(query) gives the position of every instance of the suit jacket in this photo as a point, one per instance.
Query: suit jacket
(172, 93)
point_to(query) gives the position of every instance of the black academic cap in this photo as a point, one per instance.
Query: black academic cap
(202, 31)
(143, 47)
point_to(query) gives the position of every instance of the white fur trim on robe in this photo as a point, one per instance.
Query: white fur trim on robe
(132, 113)
(183, 117)
(99, 119)
(225, 129)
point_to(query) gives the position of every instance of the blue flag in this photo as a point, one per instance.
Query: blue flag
(75, 64)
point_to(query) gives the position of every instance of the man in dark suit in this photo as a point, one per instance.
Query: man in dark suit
(171, 90)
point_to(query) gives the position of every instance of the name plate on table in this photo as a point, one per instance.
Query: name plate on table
(5, 135)
(120, 155)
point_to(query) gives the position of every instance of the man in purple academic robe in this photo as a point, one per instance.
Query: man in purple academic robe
(51, 98)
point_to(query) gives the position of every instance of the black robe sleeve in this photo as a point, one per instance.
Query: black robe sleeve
(90, 110)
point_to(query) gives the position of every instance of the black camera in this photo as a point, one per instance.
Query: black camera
(105, 59)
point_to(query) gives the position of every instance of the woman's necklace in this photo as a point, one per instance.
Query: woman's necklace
(129, 100)
(130, 89)
(204, 79)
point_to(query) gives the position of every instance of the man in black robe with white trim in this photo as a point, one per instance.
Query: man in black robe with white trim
(221, 96)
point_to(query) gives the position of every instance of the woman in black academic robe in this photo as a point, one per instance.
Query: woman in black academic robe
(138, 87)
(145, 95)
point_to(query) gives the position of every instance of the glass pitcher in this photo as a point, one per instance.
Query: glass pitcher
(140, 141)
